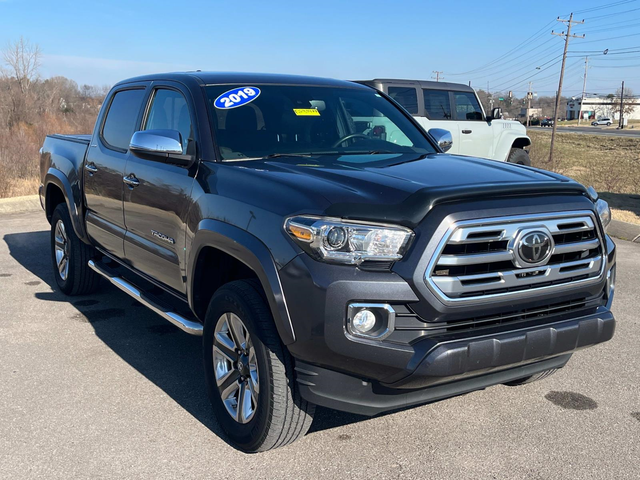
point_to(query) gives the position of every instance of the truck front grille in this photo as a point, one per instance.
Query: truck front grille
(479, 261)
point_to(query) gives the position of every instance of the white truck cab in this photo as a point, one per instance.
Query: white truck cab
(455, 107)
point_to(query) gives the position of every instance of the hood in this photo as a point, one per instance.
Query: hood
(359, 186)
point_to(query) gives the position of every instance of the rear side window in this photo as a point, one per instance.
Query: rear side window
(467, 106)
(121, 118)
(407, 97)
(437, 104)
(169, 111)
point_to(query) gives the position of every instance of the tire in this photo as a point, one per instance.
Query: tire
(532, 378)
(74, 277)
(519, 156)
(608, 124)
(278, 416)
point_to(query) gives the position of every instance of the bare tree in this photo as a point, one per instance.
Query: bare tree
(23, 60)
(629, 103)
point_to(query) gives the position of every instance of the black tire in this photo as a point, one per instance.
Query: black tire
(532, 378)
(608, 124)
(281, 415)
(79, 279)
(519, 156)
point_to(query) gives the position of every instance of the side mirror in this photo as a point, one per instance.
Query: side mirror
(164, 145)
(496, 114)
(442, 137)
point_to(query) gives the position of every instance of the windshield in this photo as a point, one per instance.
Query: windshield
(259, 121)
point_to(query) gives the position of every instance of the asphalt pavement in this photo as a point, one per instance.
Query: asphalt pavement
(591, 130)
(98, 386)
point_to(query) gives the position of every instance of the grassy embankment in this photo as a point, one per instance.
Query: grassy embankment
(610, 164)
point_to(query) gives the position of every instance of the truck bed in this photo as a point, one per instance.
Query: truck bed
(73, 138)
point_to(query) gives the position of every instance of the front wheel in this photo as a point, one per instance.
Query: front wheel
(70, 256)
(519, 156)
(249, 373)
(608, 124)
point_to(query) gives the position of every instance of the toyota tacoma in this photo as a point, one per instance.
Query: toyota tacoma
(324, 246)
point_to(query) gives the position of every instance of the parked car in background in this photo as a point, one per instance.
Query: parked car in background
(602, 121)
(547, 122)
(324, 246)
(456, 107)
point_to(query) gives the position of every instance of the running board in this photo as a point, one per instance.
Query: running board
(189, 326)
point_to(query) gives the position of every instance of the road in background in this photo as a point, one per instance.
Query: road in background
(98, 386)
(590, 130)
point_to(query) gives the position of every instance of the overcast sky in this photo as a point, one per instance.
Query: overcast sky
(496, 42)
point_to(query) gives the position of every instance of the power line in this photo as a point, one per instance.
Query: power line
(599, 17)
(602, 7)
(513, 50)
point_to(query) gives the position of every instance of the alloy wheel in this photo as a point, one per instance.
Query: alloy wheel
(236, 368)
(62, 248)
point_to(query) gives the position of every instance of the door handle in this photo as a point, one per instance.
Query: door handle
(91, 168)
(466, 131)
(131, 180)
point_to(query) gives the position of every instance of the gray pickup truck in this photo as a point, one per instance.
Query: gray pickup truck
(323, 245)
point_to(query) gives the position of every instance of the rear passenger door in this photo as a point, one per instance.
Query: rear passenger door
(155, 209)
(476, 135)
(105, 164)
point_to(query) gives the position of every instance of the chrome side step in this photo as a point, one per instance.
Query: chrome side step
(189, 326)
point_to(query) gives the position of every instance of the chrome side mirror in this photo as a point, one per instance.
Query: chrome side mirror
(156, 142)
(442, 137)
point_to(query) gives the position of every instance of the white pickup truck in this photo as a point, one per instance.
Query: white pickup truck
(455, 107)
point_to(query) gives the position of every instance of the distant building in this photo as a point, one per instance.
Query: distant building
(598, 107)
(533, 112)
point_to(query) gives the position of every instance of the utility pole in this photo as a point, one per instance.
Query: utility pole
(621, 124)
(566, 36)
(529, 95)
(584, 88)
(438, 73)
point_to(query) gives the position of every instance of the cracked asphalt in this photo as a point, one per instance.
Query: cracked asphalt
(98, 386)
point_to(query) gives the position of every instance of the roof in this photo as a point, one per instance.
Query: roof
(460, 87)
(221, 78)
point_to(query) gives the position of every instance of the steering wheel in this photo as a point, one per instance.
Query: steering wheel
(349, 137)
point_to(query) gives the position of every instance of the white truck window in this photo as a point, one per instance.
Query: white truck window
(467, 106)
(437, 104)
(405, 96)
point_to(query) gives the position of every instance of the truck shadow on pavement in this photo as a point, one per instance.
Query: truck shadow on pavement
(169, 358)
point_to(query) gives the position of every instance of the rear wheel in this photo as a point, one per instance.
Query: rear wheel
(249, 373)
(70, 256)
(532, 378)
(519, 156)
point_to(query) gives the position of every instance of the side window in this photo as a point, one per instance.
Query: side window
(467, 106)
(169, 111)
(121, 118)
(437, 104)
(405, 96)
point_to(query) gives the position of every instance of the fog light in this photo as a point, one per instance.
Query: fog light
(374, 321)
(364, 321)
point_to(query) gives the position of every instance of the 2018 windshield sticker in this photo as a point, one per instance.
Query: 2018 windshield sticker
(236, 97)
(306, 112)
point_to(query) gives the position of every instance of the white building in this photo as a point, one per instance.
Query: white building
(598, 107)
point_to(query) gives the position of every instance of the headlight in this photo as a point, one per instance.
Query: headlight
(604, 212)
(338, 241)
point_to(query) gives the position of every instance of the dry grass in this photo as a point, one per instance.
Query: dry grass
(610, 164)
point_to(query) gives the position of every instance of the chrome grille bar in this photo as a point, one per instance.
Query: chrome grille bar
(468, 266)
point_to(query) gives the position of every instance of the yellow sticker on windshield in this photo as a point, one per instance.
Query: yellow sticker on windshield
(306, 112)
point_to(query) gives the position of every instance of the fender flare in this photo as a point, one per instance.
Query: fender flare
(57, 178)
(249, 250)
(506, 141)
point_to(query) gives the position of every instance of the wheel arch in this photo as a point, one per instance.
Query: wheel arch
(218, 244)
(57, 189)
(508, 141)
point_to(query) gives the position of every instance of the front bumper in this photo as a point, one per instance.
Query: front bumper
(419, 362)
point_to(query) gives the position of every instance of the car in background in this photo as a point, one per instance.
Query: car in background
(602, 121)
(456, 107)
(546, 122)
